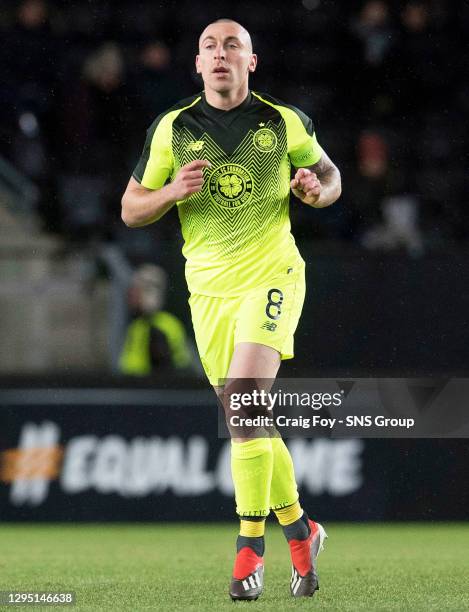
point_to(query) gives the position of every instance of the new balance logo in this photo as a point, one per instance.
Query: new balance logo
(252, 582)
(269, 325)
(295, 580)
(195, 145)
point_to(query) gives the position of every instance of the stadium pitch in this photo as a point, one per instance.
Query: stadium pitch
(187, 567)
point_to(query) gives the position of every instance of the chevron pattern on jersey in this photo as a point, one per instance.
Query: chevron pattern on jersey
(245, 195)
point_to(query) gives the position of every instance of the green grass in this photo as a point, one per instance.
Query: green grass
(187, 567)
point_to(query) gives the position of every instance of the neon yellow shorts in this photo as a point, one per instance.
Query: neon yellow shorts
(266, 315)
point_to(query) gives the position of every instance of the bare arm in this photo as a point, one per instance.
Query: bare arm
(319, 185)
(142, 206)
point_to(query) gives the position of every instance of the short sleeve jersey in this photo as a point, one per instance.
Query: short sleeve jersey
(237, 229)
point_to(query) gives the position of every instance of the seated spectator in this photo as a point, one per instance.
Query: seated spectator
(375, 41)
(156, 340)
(369, 183)
(94, 126)
(155, 87)
(374, 31)
(388, 215)
(400, 227)
(426, 73)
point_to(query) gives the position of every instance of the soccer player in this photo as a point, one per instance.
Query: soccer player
(224, 157)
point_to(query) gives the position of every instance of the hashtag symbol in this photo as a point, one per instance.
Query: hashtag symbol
(30, 463)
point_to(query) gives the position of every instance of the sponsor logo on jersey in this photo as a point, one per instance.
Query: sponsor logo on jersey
(230, 185)
(265, 140)
(269, 326)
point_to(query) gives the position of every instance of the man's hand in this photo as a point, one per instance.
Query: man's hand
(306, 186)
(189, 180)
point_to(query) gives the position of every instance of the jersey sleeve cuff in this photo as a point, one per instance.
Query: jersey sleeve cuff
(302, 159)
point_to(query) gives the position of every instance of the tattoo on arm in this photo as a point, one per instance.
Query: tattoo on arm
(324, 168)
(329, 175)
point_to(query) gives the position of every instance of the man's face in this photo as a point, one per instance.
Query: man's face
(225, 56)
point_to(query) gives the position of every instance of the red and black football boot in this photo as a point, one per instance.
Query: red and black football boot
(248, 575)
(304, 554)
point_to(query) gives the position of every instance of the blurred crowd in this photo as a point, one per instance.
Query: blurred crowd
(386, 84)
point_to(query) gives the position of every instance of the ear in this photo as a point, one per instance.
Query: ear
(253, 63)
(197, 64)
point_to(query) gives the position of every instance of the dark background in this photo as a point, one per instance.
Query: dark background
(385, 84)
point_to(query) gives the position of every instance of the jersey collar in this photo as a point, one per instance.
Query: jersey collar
(218, 112)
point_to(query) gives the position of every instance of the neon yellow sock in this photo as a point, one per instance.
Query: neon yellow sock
(287, 516)
(251, 468)
(283, 490)
(252, 529)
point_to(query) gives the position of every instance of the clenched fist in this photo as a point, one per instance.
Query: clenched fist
(189, 179)
(306, 186)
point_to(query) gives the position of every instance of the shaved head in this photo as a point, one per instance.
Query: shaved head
(224, 61)
(241, 32)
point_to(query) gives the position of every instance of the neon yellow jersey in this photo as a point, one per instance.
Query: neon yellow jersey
(237, 229)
